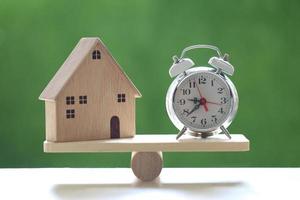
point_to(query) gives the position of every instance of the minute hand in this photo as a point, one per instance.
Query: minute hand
(195, 108)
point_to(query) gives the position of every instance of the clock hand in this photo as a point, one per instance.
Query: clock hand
(195, 108)
(202, 99)
(198, 100)
(195, 100)
(199, 91)
(213, 103)
(205, 107)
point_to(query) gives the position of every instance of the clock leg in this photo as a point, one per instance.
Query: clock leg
(226, 132)
(146, 165)
(181, 133)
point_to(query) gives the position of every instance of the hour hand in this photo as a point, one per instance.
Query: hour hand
(195, 100)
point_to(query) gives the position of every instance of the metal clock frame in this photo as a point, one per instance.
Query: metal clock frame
(179, 79)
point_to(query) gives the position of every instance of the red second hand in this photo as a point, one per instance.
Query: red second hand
(213, 103)
(204, 104)
(199, 91)
(205, 107)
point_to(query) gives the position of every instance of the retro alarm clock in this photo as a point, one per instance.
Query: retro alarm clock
(202, 101)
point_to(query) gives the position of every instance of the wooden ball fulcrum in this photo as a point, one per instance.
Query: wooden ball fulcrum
(146, 165)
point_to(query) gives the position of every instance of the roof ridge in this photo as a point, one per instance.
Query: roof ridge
(71, 65)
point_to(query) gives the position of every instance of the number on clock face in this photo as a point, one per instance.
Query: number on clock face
(202, 101)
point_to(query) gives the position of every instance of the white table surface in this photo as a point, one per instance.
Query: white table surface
(173, 184)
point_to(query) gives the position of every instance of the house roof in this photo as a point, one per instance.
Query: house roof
(71, 64)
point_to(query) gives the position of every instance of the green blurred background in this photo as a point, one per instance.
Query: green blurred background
(262, 38)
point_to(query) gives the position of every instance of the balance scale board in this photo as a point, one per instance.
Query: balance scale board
(153, 143)
(147, 158)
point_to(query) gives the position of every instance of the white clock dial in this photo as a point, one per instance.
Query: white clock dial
(202, 101)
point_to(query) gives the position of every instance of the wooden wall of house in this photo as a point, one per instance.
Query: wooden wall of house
(51, 122)
(101, 81)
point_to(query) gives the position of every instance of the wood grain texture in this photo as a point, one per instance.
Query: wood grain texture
(154, 143)
(146, 165)
(75, 60)
(51, 120)
(101, 80)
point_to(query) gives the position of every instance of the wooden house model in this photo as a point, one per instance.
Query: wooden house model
(90, 97)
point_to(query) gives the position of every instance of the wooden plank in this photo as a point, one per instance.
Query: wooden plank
(152, 142)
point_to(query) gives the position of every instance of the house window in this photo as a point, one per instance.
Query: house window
(70, 100)
(70, 113)
(83, 99)
(96, 55)
(121, 98)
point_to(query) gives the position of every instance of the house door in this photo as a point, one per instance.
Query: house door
(114, 127)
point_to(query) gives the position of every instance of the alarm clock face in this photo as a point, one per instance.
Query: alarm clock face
(203, 101)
